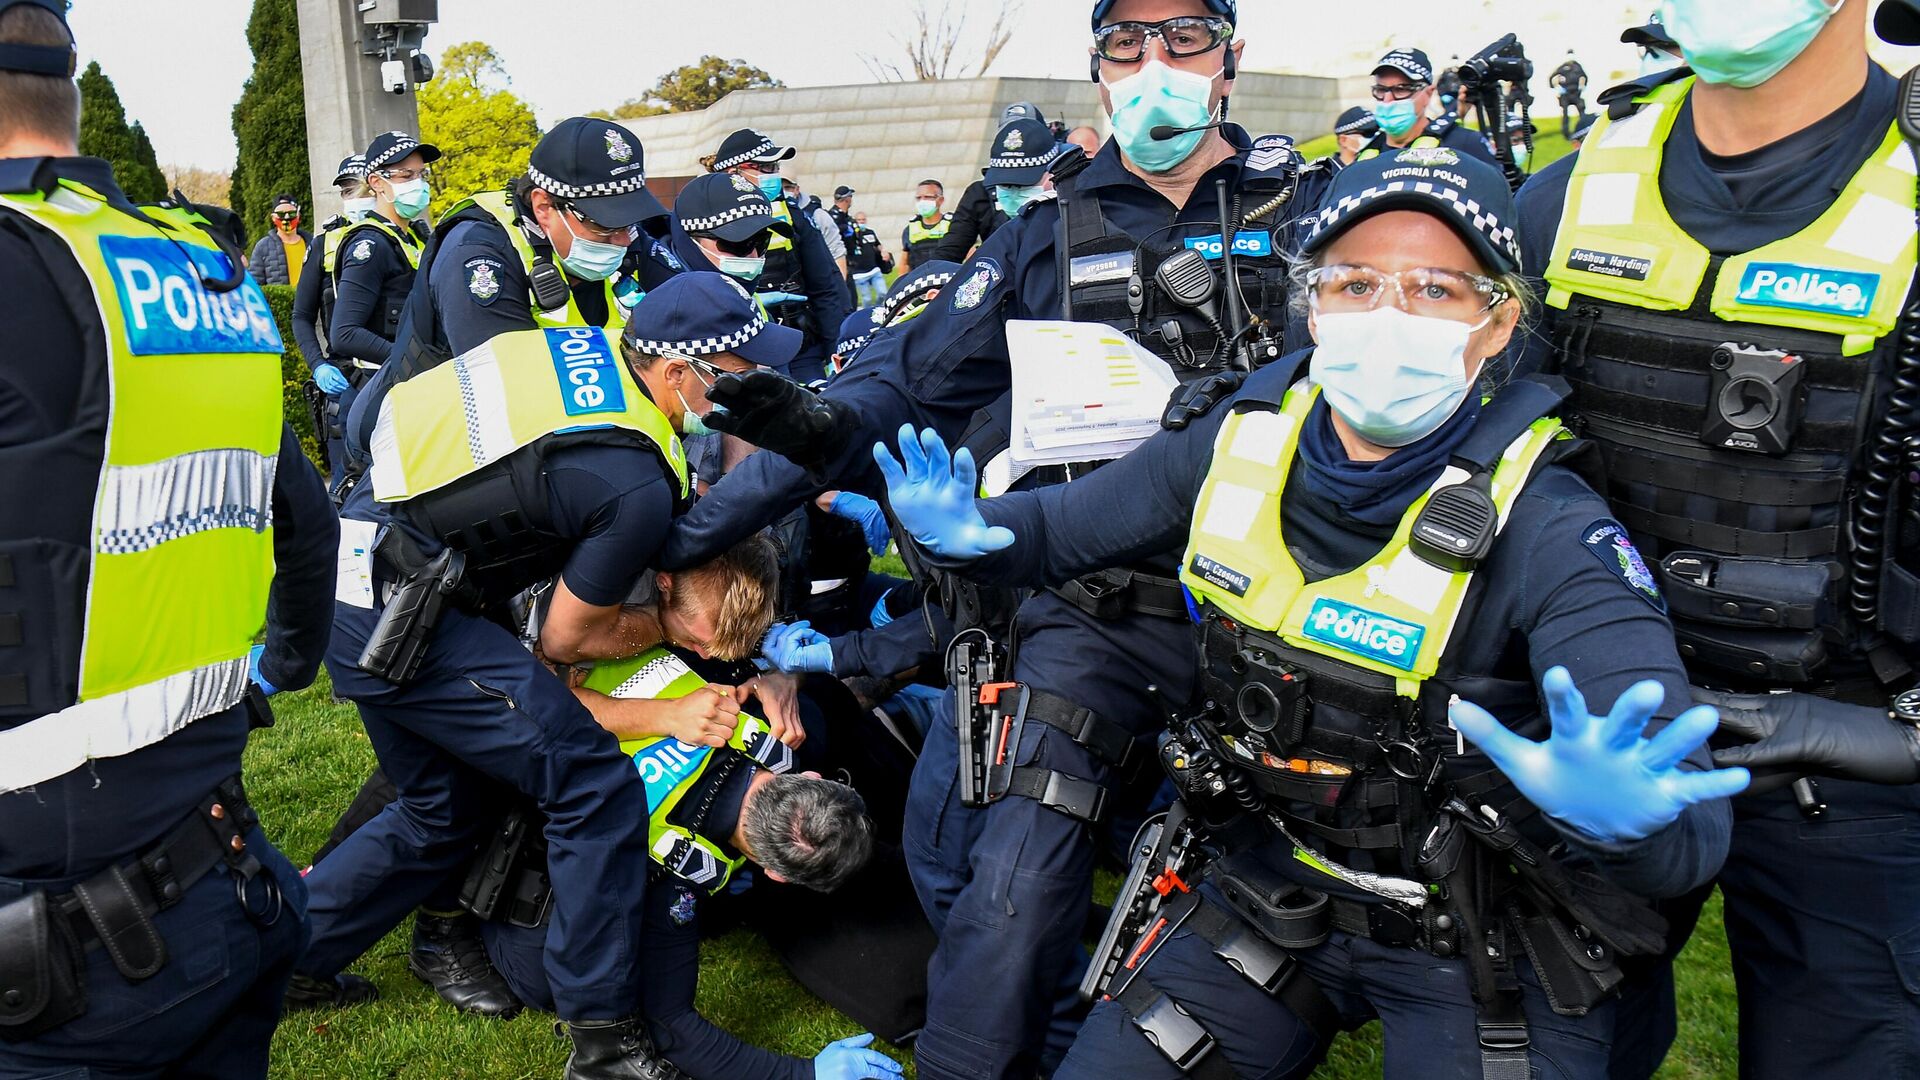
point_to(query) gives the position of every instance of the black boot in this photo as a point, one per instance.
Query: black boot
(616, 1050)
(337, 992)
(448, 955)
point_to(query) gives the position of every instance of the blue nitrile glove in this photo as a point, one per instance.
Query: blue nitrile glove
(253, 671)
(867, 514)
(798, 649)
(779, 298)
(849, 1059)
(1597, 773)
(330, 380)
(932, 495)
(881, 616)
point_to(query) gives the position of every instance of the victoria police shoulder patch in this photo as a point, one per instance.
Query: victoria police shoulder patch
(483, 279)
(361, 251)
(664, 254)
(1608, 541)
(982, 278)
(685, 907)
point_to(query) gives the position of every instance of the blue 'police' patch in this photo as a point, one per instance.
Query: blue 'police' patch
(1809, 288)
(685, 907)
(1608, 541)
(1365, 633)
(665, 764)
(1253, 243)
(589, 373)
(169, 313)
(483, 280)
(981, 279)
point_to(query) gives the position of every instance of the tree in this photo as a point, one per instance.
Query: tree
(207, 187)
(485, 132)
(693, 87)
(939, 45)
(270, 119)
(104, 134)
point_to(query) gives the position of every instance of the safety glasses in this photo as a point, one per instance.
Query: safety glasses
(1188, 35)
(604, 234)
(401, 176)
(1429, 290)
(751, 248)
(1398, 91)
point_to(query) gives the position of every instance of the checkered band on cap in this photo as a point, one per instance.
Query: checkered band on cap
(892, 306)
(1470, 210)
(405, 145)
(854, 344)
(705, 346)
(708, 224)
(585, 191)
(765, 148)
(1022, 162)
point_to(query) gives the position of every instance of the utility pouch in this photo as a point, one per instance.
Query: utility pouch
(42, 970)
(1005, 709)
(121, 919)
(1764, 594)
(1577, 973)
(399, 640)
(1778, 656)
(1285, 912)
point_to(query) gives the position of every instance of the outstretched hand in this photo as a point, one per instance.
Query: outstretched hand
(1597, 773)
(849, 1059)
(932, 495)
(774, 413)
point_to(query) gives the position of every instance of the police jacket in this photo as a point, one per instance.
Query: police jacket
(311, 314)
(149, 756)
(1440, 131)
(1561, 587)
(951, 362)
(1758, 531)
(373, 273)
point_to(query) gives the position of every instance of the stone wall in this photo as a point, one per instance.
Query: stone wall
(882, 139)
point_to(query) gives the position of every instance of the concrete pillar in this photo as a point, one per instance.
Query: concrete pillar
(346, 106)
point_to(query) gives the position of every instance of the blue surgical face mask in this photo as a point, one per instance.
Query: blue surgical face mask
(1393, 377)
(1160, 96)
(1014, 199)
(1396, 118)
(771, 187)
(590, 260)
(746, 268)
(357, 209)
(927, 207)
(1744, 43)
(692, 424)
(410, 197)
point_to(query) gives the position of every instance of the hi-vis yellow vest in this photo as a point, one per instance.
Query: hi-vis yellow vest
(1846, 274)
(182, 537)
(918, 233)
(497, 204)
(409, 245)
(776, 240)
(669, 768)
(504, 395)
(1394, 615)
(1424, 142)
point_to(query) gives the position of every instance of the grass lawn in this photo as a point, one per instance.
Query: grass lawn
(303, 771)
(1548, 146)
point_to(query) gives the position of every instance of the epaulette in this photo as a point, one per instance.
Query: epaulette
(20, 176)
(1621, 101)
(1272, 157)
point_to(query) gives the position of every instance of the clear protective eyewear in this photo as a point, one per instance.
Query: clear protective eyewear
(622, 235)
(401, 176)
(1398, 91)
(1188, 35)
(1457, 295)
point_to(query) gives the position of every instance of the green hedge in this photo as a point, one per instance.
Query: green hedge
(293, 373)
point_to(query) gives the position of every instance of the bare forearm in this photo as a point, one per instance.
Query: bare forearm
(607, 634)
(627, 718)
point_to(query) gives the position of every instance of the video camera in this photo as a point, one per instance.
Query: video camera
(1503, 61)
(1492, 78)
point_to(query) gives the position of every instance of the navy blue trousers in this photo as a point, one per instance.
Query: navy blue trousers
(209, 1013)
(482, 716)
(1006, 887)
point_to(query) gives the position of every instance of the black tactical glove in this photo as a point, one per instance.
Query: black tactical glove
(1190, 401)
(775, 413)
(1808, 734)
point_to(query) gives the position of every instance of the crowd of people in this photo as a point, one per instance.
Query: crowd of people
(1513, 565)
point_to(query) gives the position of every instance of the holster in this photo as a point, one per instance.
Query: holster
(42, 970)
(509, 881)
(400, 639)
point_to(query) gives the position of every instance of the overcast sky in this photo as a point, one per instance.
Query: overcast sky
(179, 64)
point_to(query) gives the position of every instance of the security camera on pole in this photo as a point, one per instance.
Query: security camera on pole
(361, 60)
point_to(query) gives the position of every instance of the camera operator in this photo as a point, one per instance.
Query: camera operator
(1403, 91)
(1570, 80)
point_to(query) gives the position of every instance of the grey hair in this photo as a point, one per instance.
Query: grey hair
(810, 831)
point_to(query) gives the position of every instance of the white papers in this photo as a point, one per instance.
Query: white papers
(1081, 392)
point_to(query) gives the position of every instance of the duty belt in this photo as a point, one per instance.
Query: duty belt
(1110, 594)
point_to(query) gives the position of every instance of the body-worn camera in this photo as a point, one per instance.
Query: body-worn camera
(1756, 400)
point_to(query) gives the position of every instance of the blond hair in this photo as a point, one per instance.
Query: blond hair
(744, 581)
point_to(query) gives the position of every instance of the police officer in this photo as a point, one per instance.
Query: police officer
(1753, 218)
(804, 289)
(1403, 91)
(1570, 81)
(1016, 174)
(1351, 131)
(723, 223)
(1005, 883)
(551, 250)
(1658, 51)
(925, 234)
(1373, 867)
(868, 263)
(977, 216)
(313, 312)
(152, 531)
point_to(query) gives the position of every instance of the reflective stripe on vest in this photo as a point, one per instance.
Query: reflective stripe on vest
(501, 396)
(1393, 615)
(918, 233)
(775, 240)
(670, 768)
(1846, 274)
(1424, 142)
(497, 204)
(182, 536)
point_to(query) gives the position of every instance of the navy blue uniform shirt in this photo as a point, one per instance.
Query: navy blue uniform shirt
(306, 304)
(114, 806)
(372, 277)
(1549, 598)
(940, 368)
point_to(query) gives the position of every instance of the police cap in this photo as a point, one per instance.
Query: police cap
(727, 206)
(856, 333)
(1356, 121)
(914, 286)
(1022, 152)
(1021, 110)
(1412, 63)
(1219, 7)
(1653, 35)
(352, 167)
(1465, 192)
(700, 314)
(749, 145)
(843, 192)
(40, 59)
(598, 168)
(1898, 22)
(391, 147)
